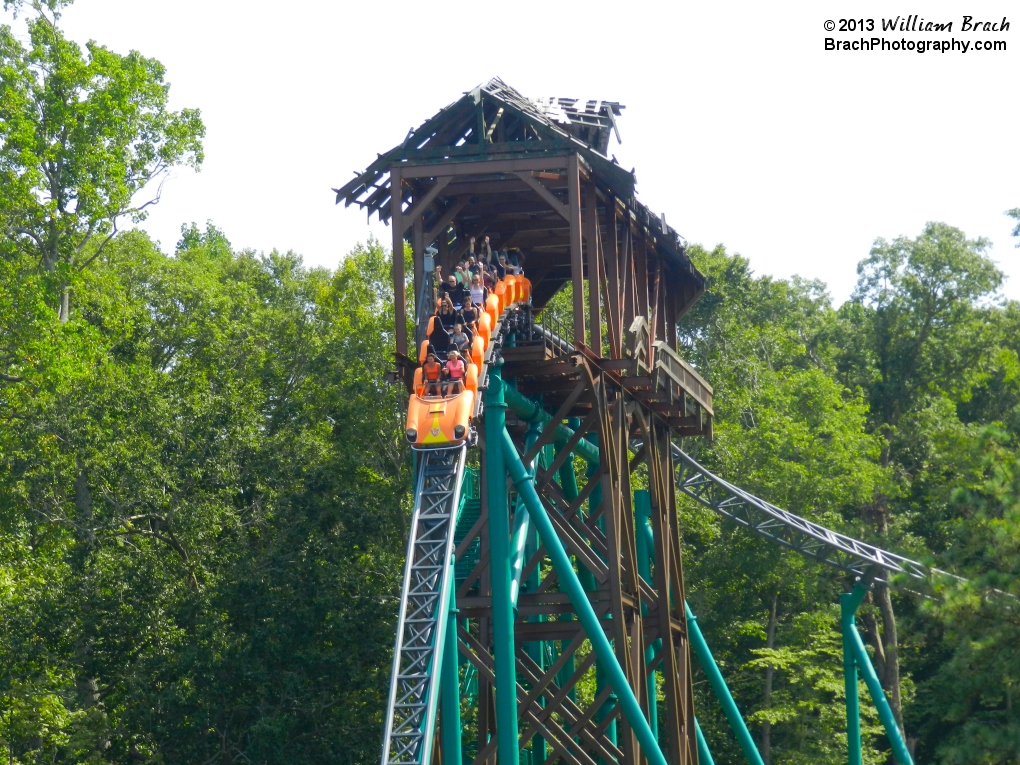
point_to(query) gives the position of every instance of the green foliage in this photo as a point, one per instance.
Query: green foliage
(788, 431)
(920, 306)
(969, 708)
(1015, 215)
(864, 418)
(82, 133)
(201, 515)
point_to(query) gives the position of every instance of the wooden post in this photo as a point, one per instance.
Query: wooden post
(576, 256)
(655, 320)
(611, 257)
(628, 274)
(671, 301)
(399, 291)
(680, 613)
(418, 259)
(591, 235)
(618, 532)
(662, 516)
(641, 273)
(443, 245)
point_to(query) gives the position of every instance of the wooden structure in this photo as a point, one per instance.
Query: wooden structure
(535, 175)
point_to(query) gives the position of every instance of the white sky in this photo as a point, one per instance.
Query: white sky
(742, 128)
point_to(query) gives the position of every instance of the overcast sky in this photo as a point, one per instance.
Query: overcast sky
(743, 130)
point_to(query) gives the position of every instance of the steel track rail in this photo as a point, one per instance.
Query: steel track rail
(424, 597)
(810, 539)
(424, 602)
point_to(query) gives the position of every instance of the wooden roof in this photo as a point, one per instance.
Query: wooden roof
(494, 122)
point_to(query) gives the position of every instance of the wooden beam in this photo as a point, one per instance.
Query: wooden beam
(547, 195)
(611, 259)
(679, 617)
(444, 220)
(420, 205)
(417, 260)
(487, 167)
(641, 274)
(656, 318)
(627, 290)
(576, 255)
(671, 303)
(399, 291)
(495, 121)
(590, 219)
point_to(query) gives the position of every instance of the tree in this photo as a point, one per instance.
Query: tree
(82, 134)
(788, 431)
(201, 520)
(1015, 215)
(918, 338)
(971, 708)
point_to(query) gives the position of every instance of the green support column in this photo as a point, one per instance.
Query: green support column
(536, 650)
(529, 411)
(568, 484)
(570, 584)
(867, 670)
(645, 553)
(522, 528)
(588, 581)
(722, 692)
(849, 601)
(499, 564)
(704, 755)
(449, 684)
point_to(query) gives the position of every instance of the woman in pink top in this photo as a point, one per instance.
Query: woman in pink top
(455, 371)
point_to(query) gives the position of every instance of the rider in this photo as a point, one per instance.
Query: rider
(432, 375)
(459, 338)
(455, 371)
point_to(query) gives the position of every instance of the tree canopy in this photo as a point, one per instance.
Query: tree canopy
(82, 135)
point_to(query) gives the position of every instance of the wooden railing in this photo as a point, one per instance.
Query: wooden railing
(637, 345)
(679, 372)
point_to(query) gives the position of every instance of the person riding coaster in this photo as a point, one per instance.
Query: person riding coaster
(455, 372)
(432, 375)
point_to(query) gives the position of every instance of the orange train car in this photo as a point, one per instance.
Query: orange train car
(442, 421)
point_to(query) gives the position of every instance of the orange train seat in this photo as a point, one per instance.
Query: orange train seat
(441, 421)
(512, 289)
(444, 421)
(485, 328)
(477, 351)
(500, 293)
(492, 309)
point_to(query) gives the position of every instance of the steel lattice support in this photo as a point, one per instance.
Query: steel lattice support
(595, 525)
